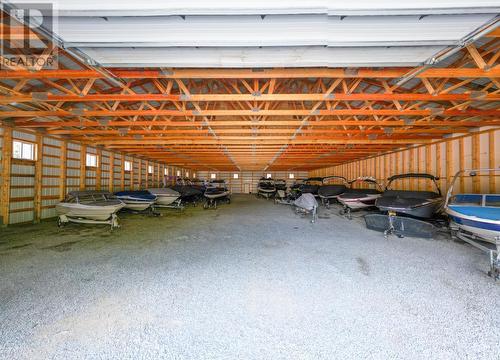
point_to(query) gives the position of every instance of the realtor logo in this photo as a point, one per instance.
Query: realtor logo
(26, 36)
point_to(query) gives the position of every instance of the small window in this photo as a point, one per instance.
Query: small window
(187, 174)
(165, 171)
(291, 176)
(23, 150)
(236, 176)
(150, 169)
(91, 160)
(213, 176)
(268, 176)
(127, 166)
(178, 173)
(194, 175)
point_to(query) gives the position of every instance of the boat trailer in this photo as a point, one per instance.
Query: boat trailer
(177, 204)
(112, 221)
(493, 250)
(401, 226)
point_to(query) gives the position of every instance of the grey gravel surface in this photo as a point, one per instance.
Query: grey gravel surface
(250, 280)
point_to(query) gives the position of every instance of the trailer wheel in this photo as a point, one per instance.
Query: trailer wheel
(60, 224)
(205, 206)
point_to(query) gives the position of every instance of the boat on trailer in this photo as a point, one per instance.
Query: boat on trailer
(166, 197)
(137, 200)
(216, 193)
(266, 188)
(475, 218)
(331, 188)
(359, 198)
(407, 212)
(89, 207)
(422, 204)
(306, 204)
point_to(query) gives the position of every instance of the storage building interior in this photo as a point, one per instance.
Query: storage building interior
(162, 107)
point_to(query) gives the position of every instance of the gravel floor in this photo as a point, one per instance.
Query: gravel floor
(250, 280)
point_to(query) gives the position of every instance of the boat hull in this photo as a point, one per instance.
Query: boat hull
(424, 211)
(217, 195)
(488, 230)
(359, 202)
(99, 213)
(138, 205)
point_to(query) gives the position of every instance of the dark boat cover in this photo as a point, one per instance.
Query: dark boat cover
(405, 198)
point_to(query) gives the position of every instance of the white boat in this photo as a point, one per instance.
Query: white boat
(98, 207)
(474, 214)
(165, 196)
(475, 218)
(359, 198)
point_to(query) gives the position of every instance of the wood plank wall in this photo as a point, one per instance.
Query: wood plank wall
(29, 190)
(444, 158)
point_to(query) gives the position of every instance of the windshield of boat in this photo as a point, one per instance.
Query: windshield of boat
(362, 183)
(414, 183)
(492, 200)
(467, 199)
(334, 180)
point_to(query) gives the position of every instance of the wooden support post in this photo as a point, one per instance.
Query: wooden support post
(461, 163)
(147, 173)
(83, 167)
(492, 162)
(438, 167)
(122, 172)
(157, 174)
(449, 164)
(139, 175)
(428, 165)
(98, 171)
(63, 169)
(6, 179)
(131, 174)
(37, 199)
(111, 171)
(476, 163)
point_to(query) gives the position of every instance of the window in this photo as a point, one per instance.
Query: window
(23, 150)
(291, 176)
(194, 175)
(127, 166)
(236, 176)
(268, 176)
(178, 173)
(150, 169)
(213, 176)
(187, 174)
(91, 160)
(165, 171)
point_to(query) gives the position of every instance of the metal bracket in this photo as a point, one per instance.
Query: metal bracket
(39, 96)
(478, 95)
(436, 111)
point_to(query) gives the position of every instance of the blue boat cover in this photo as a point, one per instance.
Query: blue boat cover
(138, 194)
